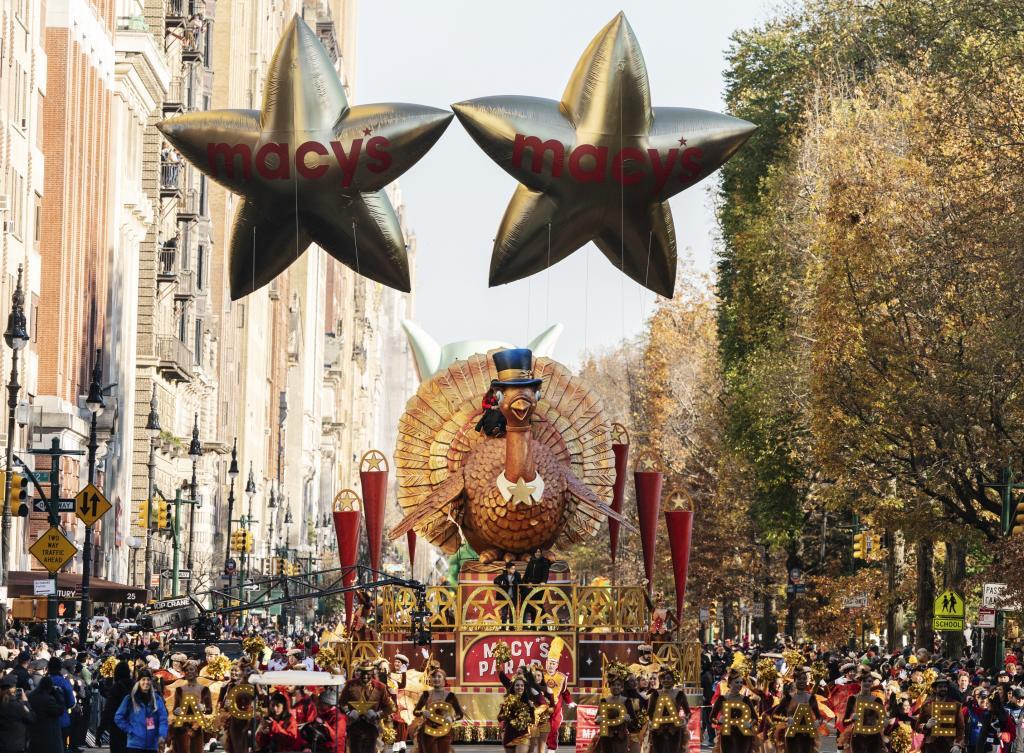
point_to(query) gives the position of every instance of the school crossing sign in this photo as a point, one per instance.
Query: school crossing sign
(948, 612)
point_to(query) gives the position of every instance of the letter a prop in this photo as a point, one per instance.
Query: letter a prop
(309, 167)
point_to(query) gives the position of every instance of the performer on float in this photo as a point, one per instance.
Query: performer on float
(864, 716)
(171, 674)
(189, 697)
(941, 720)
(516, 716)
(236, 716)
(736, 716)
(669, 714)
(645, 661)
(278, 730)
(437, 709)
(615, 714)
(558, 686)
(801, 712)
(543, 705)
(397, 682)
(365, 701)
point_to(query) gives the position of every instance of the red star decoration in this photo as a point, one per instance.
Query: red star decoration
(367, 131)
(682, 141)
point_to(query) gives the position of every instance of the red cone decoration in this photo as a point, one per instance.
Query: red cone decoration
(410, 539)
(347, 516)
(679, 522)
(648, 479)
(620, 447)
(373, 476)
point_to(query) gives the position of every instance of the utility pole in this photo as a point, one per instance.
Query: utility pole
(16, 337)
(194, 451)
(153, 427)
(232, 475)
(1006, 487)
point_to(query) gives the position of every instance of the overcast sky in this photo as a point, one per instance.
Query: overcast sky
(437, 53)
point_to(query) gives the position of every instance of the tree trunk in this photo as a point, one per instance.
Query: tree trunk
(924, 636)
(729, 614)
(895, 616)
(955, 577)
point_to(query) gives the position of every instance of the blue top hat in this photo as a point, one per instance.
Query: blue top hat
(515, 368)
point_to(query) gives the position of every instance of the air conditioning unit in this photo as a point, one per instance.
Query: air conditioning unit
(24, 123)
(3, 203)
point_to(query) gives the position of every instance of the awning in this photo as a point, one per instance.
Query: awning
(69, 587)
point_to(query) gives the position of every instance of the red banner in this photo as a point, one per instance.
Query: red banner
(410, 540)
(346, 528)
(680, 530)
(648, 504)
(480, 667)
(586, 727)
(375, 496)
(621, 452)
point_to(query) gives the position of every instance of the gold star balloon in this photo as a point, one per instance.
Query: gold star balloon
(310, 168)
(599, 165)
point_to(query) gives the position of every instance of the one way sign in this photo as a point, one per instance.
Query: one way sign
(90, 504)
(63, 505)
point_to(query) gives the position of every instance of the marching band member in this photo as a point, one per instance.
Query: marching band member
(397, 680)
(365, 701)
(558, 687)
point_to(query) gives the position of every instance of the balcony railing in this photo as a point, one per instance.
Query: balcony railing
(188, 205)
(170, 178)
(186, 289)
(177, 12)
(167, 263)
(175, 359)
(174, 102)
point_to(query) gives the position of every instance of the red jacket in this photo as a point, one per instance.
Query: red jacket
(283, 734)
(329, 724)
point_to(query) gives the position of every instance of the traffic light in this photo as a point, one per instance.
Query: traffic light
(278, 565)
(19, 495)
(249, 539)
(163, 514)
(712, 613)
(861, 545)
(236, 540)
(1017, 524)
(142, 514)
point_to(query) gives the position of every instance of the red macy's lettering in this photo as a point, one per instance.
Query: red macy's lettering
(623, 164)
(232, 159)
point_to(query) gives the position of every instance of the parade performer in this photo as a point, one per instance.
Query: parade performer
(841, 691)
(864, 716)
(397, 682)
(279, 730)
(437, 709)
(236, 738)
(615, 714)
(543, 705)
(645, 661)
(516, 716)
(558, 686)
(802, 715)
(326, 728)
(637, 690)
(190, 737)
(941, 720)
(669, 714)
(169, 675)
(365, 701)
(735, 713)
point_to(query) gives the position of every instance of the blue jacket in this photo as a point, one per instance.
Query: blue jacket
(61, 682)
(133, 722)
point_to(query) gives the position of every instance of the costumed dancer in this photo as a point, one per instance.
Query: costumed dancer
(189, 737)
(841, 691)
(326, 728)
(365, 701)
(899, 731)
(279, 730)
(543, 705)
(436, 710)
(558, 686)
(941, 721)
(864, 716)
(236, 737)
(800, 708)
(637, 690)
(614, 717)
(397, 681)
(516, 716)
(767, 694)
(736, 716)
(669, 714)
(169, 675)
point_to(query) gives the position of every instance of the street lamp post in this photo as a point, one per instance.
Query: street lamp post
(194, 451)
(250, 492)
(16, 337)
(153, 427)
(232, 475)
(94, 402)
(271, 505)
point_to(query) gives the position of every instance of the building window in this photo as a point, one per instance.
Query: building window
(200, 266)
(199, 342)
(38, 229)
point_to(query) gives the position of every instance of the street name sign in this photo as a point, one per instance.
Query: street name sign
(949, 611)
(90, 504)
(252, 587)
(53, 549)
(860, 601)
(182, 574)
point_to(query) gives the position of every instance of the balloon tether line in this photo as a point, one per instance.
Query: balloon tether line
(547, 314)
(355, 243)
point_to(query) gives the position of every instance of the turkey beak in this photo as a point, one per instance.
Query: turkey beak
(520, 407)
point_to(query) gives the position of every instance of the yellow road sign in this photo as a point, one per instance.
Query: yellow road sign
(949, 604)
(90, 504)
(53, 550)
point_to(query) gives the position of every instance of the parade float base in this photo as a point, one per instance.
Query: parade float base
(469, 620)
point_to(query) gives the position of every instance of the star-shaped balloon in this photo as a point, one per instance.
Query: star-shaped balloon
(309, 167)
(599, 165)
